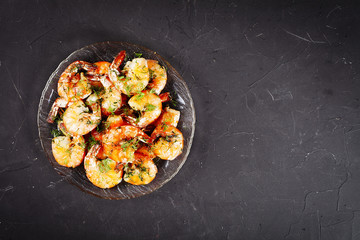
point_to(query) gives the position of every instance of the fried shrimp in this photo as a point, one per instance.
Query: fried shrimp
(103, 174)
(68, 151)
(140, 172)
(158, 76)
(137, 77)
(149, 105)
(77, 119)
(170, 142)
(121, 143)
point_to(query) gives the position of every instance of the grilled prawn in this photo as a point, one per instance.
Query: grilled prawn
(103, 174)
(68, 151)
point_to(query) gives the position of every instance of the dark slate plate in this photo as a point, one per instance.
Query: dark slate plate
(106, 51)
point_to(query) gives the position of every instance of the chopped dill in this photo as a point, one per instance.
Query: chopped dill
(104, 165)
(149, 107)
(92, 141)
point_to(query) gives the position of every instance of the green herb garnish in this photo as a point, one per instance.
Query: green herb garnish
(128, 89)
(149, 107)
(165, 126)
(138, 55)
(92, 141)
(131, 143)
(82, 145)
(152, 74)
(97, 90)
(139, 96)
(104, 165)
(55, 133)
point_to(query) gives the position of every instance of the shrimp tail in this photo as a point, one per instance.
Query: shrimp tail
(93, 151)
(118, 61)
(59, 103)
(165, 97)
(74, 68)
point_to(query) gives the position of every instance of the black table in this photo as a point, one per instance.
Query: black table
(276, 89)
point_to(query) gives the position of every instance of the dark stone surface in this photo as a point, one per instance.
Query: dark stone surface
(276, 89)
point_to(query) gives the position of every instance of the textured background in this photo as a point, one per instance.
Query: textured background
(276, 88)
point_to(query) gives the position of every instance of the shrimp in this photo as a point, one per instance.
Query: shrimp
(170, 142)
(121, 143)
(115, 65)
(68, 151)
(140, 172)
(103, 174)
(149, 105)
(102, 69)
(77, 119)
(168, 116)
(114, 69)
(70, 85)
(158, 76)
(137, 77)
(76, 88)
(114, 121)
(111, 98)
(147, 151)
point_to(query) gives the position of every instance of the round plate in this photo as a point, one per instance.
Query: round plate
(106, 51)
